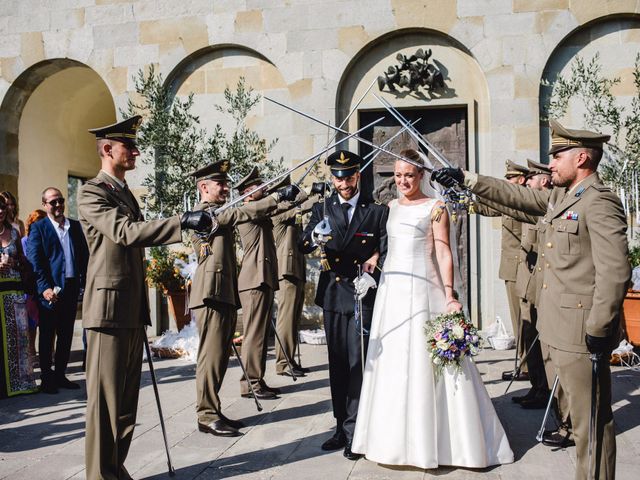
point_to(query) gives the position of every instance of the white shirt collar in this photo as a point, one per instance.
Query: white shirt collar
(353, 202)
(56, 225)
(119, 182)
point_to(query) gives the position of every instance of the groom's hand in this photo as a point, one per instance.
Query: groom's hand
(448, 177)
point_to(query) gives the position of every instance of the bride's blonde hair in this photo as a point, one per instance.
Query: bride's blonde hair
(414, 155)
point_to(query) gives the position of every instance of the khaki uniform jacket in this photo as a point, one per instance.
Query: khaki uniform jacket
(287, 229)
(585, 270)
(510, 244)
(116, 292)
(215, 279)
(260, 259)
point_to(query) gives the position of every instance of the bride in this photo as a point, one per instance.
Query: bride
(407, 416)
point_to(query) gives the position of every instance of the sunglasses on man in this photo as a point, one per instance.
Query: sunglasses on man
(56, 202)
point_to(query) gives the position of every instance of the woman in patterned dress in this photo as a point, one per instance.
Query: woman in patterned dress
(16, 370)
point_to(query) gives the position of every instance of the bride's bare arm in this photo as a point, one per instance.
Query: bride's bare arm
(440, 227)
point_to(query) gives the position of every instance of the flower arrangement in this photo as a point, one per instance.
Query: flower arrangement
(162, 271)
(449, 339)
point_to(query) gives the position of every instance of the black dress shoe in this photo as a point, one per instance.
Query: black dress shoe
(232, 423)
(557, 439)
(297, 372)
(349, 454)
(528, 396)
(336, 442)
(219, 428)
(261, 393)
(48, 387)
(538, 401)
(64, 382)
(301, 368)
(508, 375)
(266, 387)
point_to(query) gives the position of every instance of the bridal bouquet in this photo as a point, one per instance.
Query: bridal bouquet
(449, 339)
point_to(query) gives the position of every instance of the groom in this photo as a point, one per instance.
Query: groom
(358, 237)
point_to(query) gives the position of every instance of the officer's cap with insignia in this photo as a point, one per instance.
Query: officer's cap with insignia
(252, 178)
(343, 163)
(536, 168)
(125, 131)
(515, 170)
(214, 171)
(565, 138)
(278, 185)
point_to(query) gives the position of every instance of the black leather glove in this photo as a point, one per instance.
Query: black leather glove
(598, 344)
(448, 177)
(288, 193)
(199, 221)
(319, 188)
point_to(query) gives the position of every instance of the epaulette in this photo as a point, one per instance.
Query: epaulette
(106, 186)
(602, 188)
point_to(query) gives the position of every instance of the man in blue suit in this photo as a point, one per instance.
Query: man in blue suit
(58, 252)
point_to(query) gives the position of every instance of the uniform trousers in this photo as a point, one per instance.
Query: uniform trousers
(345, 366)
(114, 361)
(58, 322)
(516, 319)
(562, 405)
(575, 373)
(216, 325)
(290, 297)
(256, 311)
(535, 364)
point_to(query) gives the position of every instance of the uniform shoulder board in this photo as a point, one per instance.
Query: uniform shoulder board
(602, 188)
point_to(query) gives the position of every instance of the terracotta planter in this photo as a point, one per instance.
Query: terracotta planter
(177, 301)
(631, 316)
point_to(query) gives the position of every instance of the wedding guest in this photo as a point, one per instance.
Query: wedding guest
(16, 370)
(32, 303)
(59, 254)
(12, 212)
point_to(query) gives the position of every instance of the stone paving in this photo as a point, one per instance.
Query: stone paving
(42, 436)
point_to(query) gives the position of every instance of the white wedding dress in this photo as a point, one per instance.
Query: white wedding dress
(407, 416)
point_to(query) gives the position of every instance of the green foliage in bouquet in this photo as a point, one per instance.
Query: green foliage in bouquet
(450, 338)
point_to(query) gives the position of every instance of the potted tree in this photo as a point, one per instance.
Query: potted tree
(631, 306)
(163, 274)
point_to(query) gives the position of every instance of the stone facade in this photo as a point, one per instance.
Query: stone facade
(319, 55)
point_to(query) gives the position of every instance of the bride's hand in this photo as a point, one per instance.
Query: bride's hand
(370, 265)
(454, 305)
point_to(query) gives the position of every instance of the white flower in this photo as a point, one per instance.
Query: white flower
(442, 345)
(458, 332)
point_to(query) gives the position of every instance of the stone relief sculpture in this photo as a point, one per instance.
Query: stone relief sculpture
(413, 72)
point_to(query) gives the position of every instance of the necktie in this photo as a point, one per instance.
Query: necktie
(345, 212)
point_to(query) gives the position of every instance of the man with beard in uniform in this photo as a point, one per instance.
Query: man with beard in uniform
(115, 310)
(287, 229)
(358, 238)
(214, 292)
(585, 279)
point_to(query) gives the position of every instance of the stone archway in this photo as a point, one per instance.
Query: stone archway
(43, 129)
(617, 39)
(207, 72)
(457, 122)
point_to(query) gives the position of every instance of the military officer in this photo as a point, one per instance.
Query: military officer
(257, 282)
(358, 238)
(214, 292)
(115, 308)
(509, 259)
(585, 276)
(287, 229)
